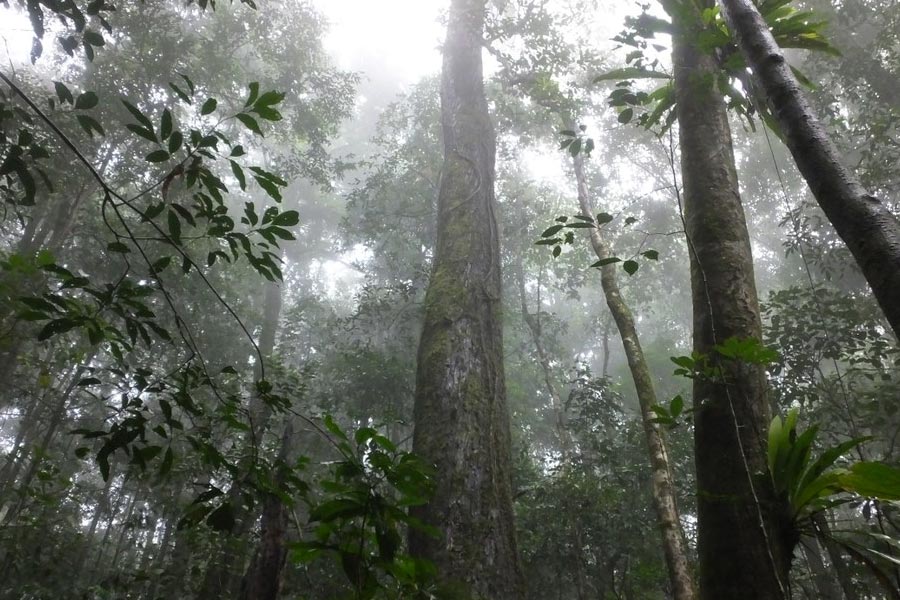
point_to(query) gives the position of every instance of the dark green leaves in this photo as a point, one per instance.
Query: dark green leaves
(631, 73)
(56, 327)
(157, 156)
(208, 106)
(250, 123)
(86, 101)
(630, 267)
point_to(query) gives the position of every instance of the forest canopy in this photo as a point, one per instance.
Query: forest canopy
(450, 299)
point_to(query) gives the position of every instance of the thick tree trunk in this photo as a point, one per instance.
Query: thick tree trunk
(868, 227)
(461, 420)
(662, 487)
(745, 538)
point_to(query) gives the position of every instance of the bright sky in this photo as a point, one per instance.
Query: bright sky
(404, 35)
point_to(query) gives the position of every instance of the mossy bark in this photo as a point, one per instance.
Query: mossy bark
(461, 420)
(745, 537)
(662, 486)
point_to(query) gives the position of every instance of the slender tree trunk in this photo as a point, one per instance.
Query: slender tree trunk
(107, 532)
(745, 534)
(126, 529)
(826, 586)
(565, 439)
(662, 487)
(263, 578)
(162, 553)
(835, 556)
(57, 414)
(461, 420)
(868, 227)
(17, 453)
(223, 574)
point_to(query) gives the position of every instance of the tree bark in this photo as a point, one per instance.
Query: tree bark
(461, 420)
(868, 227)
(745, 534)
(563, 435)
(835, 556)
(223, 575)
(662, 487)
(826, 586)
(263, 578)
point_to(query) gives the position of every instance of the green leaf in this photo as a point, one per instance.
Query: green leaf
(339, 508)
(145, 133)
(650, 254)
(180, 93)
(288, 218)
(165, 124)
(270, 98)
(137, 114)
(630, 267)
(175, 142)
(166, 465)
(626, 115)
(118, 247)
(63, 93)
(575, 147)
(208, 106)
(174, 224)
(631, 73)
(331, 426)
(254, 93)
(250, 123)
(604, 218)
(160, 265)
(676, 406)
(157, 156)
(86, 101)
(873, 480)
(239, 174)
(551, 231)
(606, 261)
(56, 327)
(90, 125)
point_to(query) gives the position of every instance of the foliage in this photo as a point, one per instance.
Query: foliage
(362, 516)
(550, 237)
(790, 27)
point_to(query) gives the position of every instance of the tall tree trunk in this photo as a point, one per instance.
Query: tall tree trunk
(223, 574)
(745, 537)
(263, 578)
(868, 227)
(835, 556)
(825, 584)
(662, 487)
(461, 420)
(559, 415)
